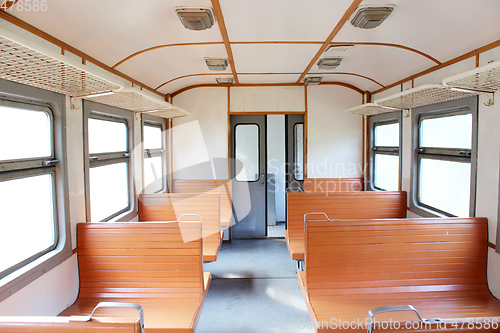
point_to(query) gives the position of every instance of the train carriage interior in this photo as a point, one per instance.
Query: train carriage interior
(249, 166)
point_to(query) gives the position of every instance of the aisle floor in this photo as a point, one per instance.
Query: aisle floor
(254, 290)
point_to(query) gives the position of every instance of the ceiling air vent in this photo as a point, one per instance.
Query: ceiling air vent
(369, 17)
(312, 80)
(329, 63)
(196, 18)
(217, 64)
(224, 80)
(337, 48)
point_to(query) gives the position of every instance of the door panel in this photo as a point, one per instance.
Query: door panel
(248, 168)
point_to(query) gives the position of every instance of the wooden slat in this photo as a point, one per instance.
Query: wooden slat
(436, 265)
(333, 184)
(25, 324)
(338, 205)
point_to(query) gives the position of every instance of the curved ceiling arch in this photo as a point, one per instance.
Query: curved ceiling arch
(207, 85)
(277, 42)
(224, 74)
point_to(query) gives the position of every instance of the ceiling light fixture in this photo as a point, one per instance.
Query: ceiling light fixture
(369, 17)
(329, 63)
(312, 80)
(224, 80)
(217, 64)
(196, 18)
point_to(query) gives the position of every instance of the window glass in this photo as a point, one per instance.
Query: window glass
(445, 185)
(386, 172)
(26, 232)
(386, 135)
(247, 151)
(29, 134)
(108, 190)
(298, 154)
(153, 174)
(447, 132)
(106, 136)
(152, 137)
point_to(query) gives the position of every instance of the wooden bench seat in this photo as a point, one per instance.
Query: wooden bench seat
(201, 185)
(22, 324)
(156, 265)
(436, 265)
(170, 206)
(333, 184)
(338, 205)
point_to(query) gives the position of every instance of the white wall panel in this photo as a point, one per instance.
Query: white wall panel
(334, 137)
(267, 99)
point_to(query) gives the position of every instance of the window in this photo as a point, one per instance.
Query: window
(385, 157)
(298, 151)
(109, 182)
(444, 140)
(155, 169)
(247, 152)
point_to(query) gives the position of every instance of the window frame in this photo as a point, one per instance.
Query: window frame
(108, 113)
(467, 105)
(18, 95)
(377, 120)
(150, 120)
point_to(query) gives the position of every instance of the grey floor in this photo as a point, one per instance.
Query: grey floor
(254, 290)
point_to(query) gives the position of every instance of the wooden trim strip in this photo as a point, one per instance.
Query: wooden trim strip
(265, 113)
(221, 74)
(305, 131)
(223, 31)
(160, 47)
(28, 27)
(277, 43)
(493, 246)
(346, 85)
(334, 33)
(7, 4)
(443, 65)
(75, 250)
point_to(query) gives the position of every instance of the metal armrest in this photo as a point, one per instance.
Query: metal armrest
(112, 305)
(392, 308)
(316, 213)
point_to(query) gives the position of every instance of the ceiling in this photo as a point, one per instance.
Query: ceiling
(268, 41)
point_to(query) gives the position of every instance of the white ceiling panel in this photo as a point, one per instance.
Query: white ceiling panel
(442, 29)
(273, 58)
(111, 30)
(282, 20)
(282, 78)
(172, 62)
(374, 62)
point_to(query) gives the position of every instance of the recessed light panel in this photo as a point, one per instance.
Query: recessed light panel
(329, 63)
(224, 80)
(369, 17)
(312, 80)
(217, 64)
(196, 18)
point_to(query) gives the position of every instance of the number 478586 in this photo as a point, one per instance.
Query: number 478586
(24, 5)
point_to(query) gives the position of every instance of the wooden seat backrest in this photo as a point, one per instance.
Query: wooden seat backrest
(170, 206)
(342, 205)
(396, 255)
(333, 184)
(21, 324)
(201, 185)
(137, 260)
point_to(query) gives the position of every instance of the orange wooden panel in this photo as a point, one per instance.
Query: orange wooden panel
(436, 265)
(27, 324)
(156, 265)
(338, 205)
(200, 185)
(333, 184)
